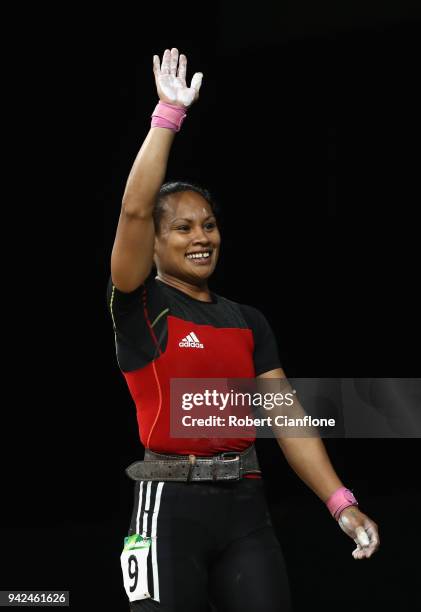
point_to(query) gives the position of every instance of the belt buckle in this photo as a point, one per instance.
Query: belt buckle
(236, 453)
(229, 456)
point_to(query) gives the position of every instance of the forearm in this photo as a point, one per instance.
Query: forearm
(310, 461)
(148, 172)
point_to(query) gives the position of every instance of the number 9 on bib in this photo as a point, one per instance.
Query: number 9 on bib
(134, 566)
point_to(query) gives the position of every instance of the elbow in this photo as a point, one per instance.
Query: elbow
(138, 204)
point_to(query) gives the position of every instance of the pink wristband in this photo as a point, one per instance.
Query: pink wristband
(339, 500)
(168, 116)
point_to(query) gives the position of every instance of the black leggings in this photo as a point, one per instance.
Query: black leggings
(213, 548)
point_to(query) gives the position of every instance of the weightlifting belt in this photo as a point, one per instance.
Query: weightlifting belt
(229, 465)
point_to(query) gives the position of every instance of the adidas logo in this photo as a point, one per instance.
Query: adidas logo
(192, 341)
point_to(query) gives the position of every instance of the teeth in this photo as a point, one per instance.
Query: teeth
(198, 255)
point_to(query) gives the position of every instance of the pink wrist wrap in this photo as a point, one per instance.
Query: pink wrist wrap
(339, 500)
(168, 116)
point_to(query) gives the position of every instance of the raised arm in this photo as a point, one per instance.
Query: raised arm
(132, 254)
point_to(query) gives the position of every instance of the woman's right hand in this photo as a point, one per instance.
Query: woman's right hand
(170, 84)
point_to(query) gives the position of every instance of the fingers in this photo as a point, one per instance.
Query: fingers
(156, 64)
(362, 553)
(182, 67)
(196, 82)
(174, 68)
(364, 533)
(358, 553)
(362, 537)
(173, 61)
(170, 61)
(166, 58)
(367, 541)
(373, 534)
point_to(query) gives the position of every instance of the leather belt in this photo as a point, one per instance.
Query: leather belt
(231, 465)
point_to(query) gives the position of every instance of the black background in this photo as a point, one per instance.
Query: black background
(306, 132)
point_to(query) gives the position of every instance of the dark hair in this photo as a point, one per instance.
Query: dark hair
(175, 187)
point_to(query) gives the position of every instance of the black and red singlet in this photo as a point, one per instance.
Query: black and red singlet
(163, 333)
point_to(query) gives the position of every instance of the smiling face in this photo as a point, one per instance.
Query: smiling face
(188, 241)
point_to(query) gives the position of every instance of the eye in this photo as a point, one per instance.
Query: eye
(210, 225)
(182, 227)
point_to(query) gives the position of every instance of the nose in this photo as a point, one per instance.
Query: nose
(200, 236)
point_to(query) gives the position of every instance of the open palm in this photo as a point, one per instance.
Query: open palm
(171, 83)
